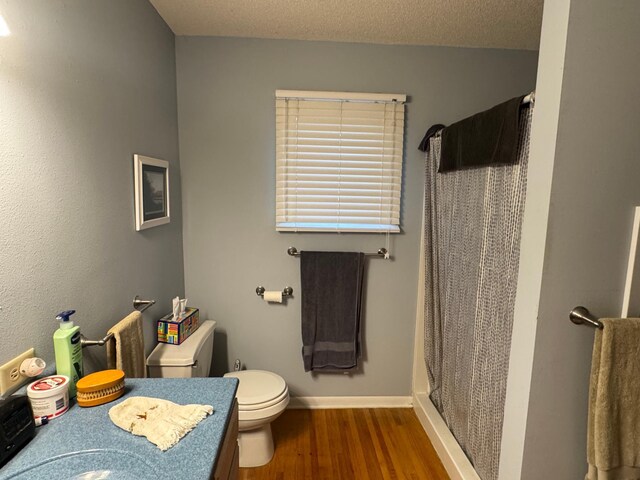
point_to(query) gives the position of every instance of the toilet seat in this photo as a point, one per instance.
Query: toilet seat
(263, 414)
(260, 406)
(259, 389)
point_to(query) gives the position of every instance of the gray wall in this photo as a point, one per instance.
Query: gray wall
(594, 191)
(226, 116)
(84, 84)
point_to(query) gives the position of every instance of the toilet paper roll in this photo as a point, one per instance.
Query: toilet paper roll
(273, 297)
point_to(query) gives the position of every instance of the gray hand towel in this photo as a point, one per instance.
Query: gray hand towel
(613, 442)
(331, 305)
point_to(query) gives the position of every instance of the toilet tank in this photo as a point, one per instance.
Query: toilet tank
(192, 358)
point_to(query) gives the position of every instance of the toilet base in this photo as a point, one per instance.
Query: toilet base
(256, 446)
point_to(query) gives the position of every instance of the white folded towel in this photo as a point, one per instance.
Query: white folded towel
(163, 422)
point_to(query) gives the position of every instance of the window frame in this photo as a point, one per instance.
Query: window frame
(392, 214)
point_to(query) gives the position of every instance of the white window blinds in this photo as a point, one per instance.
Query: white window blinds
(338, 161)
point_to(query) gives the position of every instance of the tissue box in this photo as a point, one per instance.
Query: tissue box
(176, 331)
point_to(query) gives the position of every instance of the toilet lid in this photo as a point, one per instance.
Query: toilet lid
(258, 386)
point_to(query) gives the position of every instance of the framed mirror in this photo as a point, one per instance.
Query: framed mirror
(151, 179)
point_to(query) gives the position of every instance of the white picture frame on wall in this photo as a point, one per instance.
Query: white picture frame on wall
(151, 181)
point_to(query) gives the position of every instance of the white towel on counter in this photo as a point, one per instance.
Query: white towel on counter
(163, 422)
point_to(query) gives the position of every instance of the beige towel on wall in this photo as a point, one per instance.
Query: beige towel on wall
(125, 351)
(613, 434)
(163, 422)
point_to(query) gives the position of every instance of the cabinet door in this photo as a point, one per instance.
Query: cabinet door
(235, 464)
(228, 460)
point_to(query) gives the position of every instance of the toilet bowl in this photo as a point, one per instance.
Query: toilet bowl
(262, 396)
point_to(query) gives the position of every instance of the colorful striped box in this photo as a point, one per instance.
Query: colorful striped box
(178, 330)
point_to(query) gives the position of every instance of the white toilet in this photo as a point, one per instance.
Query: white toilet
(262, 397)
(192, 358)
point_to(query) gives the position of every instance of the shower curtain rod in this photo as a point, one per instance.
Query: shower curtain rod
(531, 98)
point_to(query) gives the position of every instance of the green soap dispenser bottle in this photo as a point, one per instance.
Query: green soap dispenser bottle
(68, 350)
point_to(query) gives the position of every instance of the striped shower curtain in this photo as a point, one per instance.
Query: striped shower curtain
(473, 219)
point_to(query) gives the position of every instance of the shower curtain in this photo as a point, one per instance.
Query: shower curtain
(472, 219)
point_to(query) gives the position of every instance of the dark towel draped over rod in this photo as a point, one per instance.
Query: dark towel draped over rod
(424, 144)
(485, 139)
(464, 141)
(331, 284)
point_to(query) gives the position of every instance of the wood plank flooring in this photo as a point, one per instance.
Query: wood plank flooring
(350, 444)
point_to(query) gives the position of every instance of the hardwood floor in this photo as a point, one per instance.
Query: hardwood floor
(350, 444)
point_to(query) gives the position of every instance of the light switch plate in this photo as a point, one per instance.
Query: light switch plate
(10, 378)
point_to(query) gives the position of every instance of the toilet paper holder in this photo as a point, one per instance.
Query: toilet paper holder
(286, 292)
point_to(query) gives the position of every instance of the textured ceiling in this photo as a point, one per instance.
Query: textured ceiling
(468, 23)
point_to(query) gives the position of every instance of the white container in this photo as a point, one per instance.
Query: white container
(49, 396)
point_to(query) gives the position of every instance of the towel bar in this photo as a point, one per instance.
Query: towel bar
(382, 252)
(582, 316)
(89, 343)
(140, 305)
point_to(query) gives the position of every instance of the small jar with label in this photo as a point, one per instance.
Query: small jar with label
(49, 396)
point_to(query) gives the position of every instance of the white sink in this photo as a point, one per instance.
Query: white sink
(92, 465)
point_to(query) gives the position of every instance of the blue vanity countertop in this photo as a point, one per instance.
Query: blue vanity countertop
(121, 455)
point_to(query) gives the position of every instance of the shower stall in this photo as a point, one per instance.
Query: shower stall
(468, 280)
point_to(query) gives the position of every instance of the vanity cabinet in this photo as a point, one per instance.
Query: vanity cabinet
(228, 460)
(92, 443)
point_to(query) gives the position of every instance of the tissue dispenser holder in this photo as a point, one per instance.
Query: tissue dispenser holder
(175, 331)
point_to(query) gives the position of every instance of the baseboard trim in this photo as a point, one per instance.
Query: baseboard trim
(350, 402)
(453, 458)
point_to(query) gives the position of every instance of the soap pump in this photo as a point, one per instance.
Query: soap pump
(68, 350)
